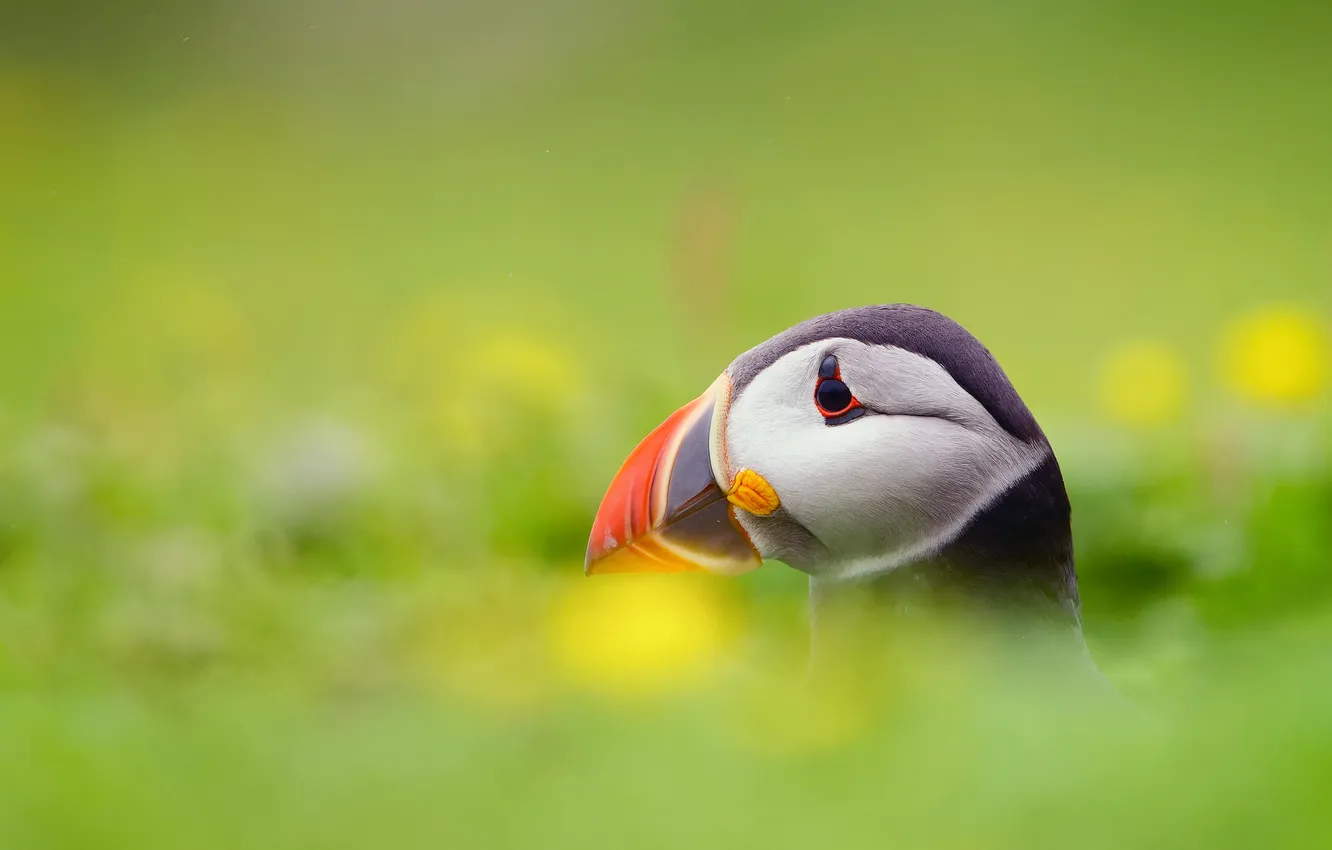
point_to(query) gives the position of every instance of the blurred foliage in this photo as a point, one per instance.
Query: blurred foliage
(324, 326)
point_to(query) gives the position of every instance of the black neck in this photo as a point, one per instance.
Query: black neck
(1014, 557)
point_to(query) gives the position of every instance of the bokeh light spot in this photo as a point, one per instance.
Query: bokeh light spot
(536, 371)
(641, 635)
(483, 386)
(1276, 357)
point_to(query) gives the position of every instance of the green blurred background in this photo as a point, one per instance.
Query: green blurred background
(323, 326)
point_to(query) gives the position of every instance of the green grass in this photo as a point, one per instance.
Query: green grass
(321, 334)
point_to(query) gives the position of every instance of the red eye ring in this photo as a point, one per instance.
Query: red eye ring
(832, 396)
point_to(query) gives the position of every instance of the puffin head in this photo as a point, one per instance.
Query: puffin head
(869, 443)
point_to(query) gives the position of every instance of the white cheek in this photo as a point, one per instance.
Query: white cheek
(877, 483)
(880, 490)
(788, 442)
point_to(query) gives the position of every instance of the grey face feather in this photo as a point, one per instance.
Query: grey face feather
(946, 461)
(917, 330)
(889, 488)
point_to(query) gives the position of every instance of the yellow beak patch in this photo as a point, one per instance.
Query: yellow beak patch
(752, 492)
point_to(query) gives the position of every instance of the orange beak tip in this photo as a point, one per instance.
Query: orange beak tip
(664, 511)
(630, 559)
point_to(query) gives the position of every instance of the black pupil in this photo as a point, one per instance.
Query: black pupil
(834, 396)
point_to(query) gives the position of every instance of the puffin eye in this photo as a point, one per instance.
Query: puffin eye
(833, 397)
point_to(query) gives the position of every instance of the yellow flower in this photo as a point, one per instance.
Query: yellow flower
(1276, 357)
(1143, 383)
(450, 360)
(628, 636)
(535, 371)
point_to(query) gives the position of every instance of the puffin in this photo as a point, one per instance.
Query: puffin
(880, 450)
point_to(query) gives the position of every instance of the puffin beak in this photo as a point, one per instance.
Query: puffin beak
(665, 511)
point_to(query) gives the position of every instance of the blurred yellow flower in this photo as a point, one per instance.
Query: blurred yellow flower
(1143, 383)
(1276, 357)
(533, 370)
(534, 375)
(639, 635)
(447, 358)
